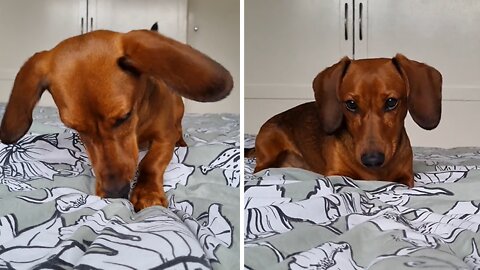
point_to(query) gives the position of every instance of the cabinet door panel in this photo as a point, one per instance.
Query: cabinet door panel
(442, 33)
(287, 43)
(29, 26)
(126, 15)
(214, 29)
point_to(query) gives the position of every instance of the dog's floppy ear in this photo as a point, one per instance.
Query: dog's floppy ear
(424, 91)
(185, 70)
(326, 86)
(27, 89)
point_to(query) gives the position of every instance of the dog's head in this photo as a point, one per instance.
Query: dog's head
(100, 83)
(370, 99)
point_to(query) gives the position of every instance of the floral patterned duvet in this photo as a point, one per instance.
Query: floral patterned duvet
(295, 219)
(51, 219)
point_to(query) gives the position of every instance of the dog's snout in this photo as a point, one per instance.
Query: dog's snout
(118, 191)
(373, 159)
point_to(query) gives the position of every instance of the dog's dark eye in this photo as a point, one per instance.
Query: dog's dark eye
(391, 104)
(351, 105)
(123, 119)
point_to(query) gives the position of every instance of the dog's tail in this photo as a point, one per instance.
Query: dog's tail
(154, 27)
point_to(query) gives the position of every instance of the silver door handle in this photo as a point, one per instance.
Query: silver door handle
(360, 22)
(81, 25)
(345, 21)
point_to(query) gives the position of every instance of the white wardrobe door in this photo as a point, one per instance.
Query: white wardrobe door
(27, 27)
(214, 29)
(127, 15)
(441, 33)
(286, 44)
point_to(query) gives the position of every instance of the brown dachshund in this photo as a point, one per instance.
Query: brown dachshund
(121, 93)
(355, 127)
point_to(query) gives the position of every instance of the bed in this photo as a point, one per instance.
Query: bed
(51, 219)
(295, 219)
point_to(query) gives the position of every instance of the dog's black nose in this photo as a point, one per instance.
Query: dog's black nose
(372, 160)
(118, 192)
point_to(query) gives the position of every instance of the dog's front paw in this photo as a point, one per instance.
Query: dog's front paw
(143, 198)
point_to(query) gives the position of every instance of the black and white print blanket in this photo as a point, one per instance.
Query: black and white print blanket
(51, 219)
(295, 219)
